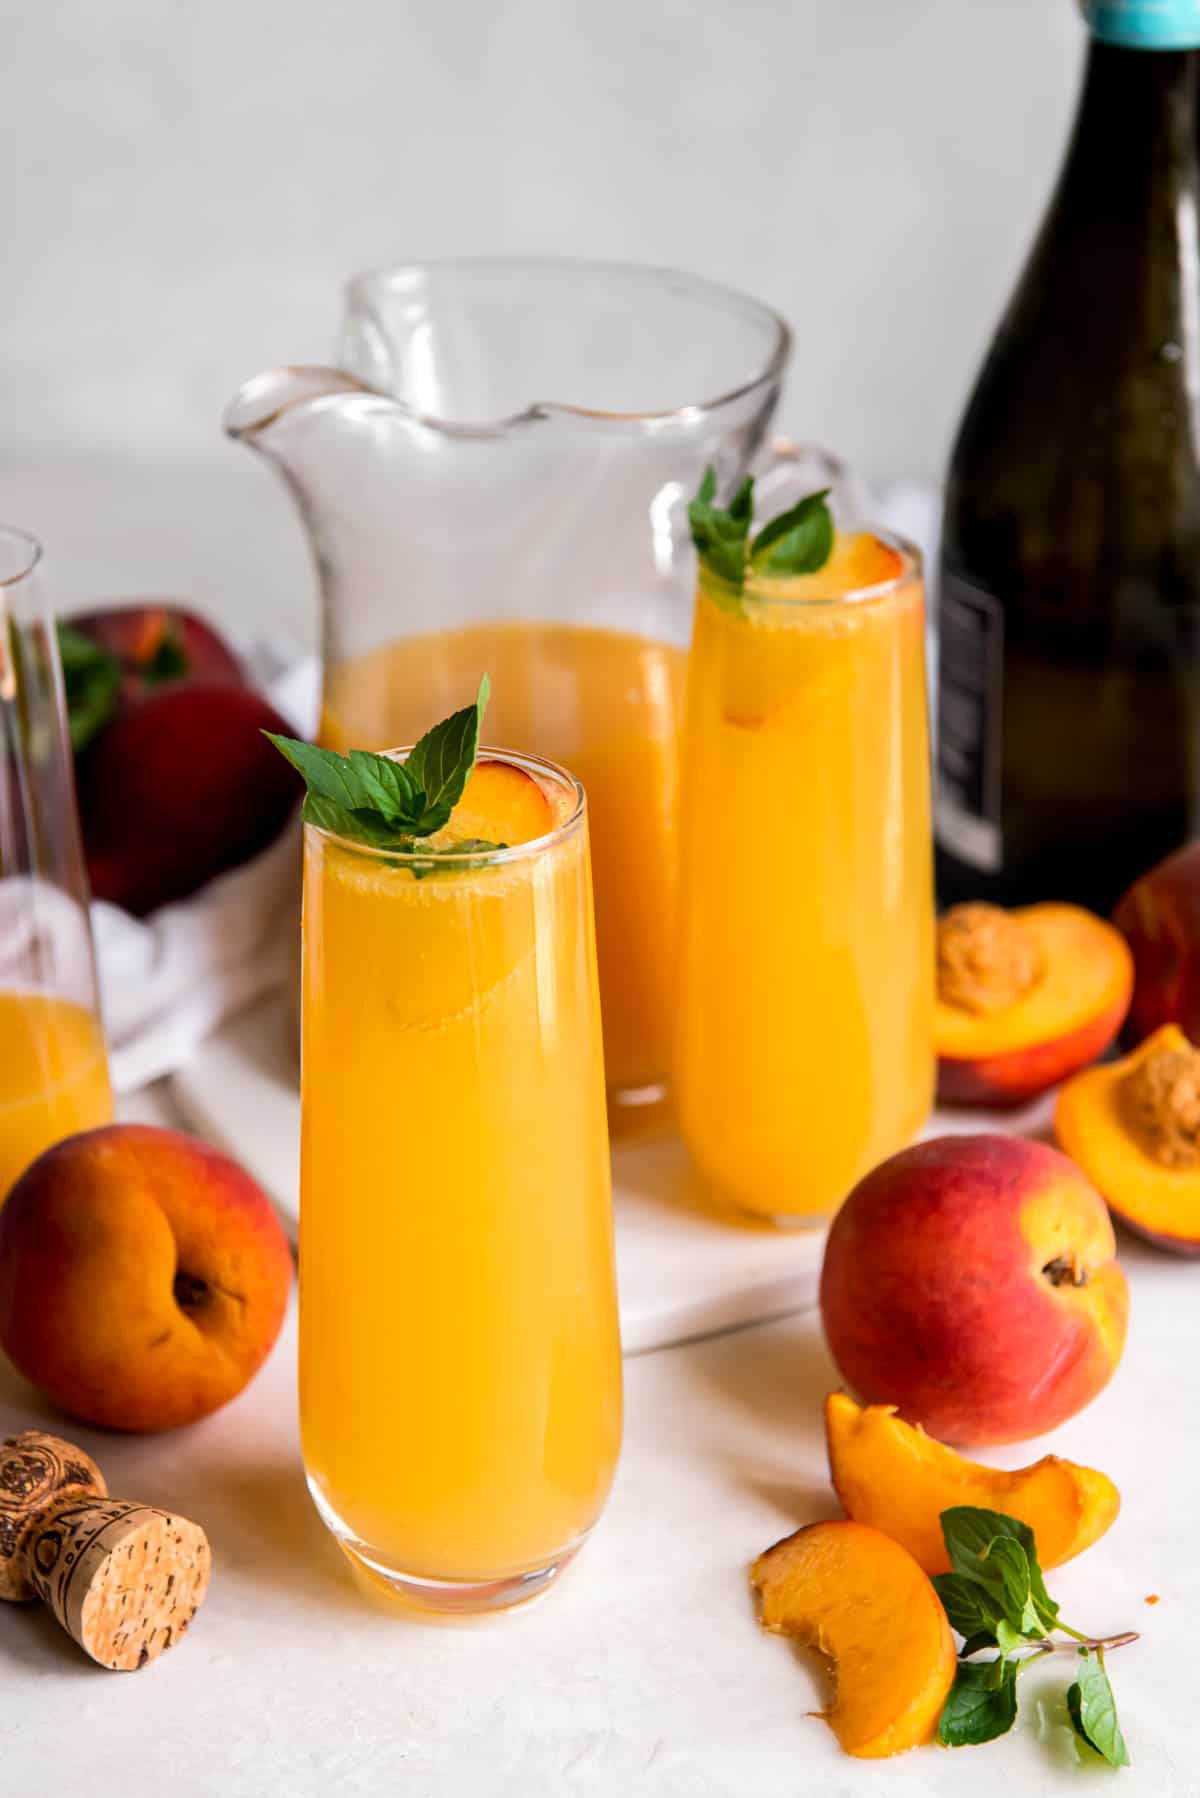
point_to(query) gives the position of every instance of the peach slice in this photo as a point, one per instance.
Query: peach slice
(1133, 1126)
(501, 803)
(767, 669)
(861, 1600)
(858, 560)
(1025, 998)
(891, 1475)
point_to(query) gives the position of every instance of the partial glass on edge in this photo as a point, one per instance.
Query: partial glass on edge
(53, 1065)
(805, 1043)
(460, 1366)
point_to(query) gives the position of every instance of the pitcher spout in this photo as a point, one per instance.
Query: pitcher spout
(265, 400)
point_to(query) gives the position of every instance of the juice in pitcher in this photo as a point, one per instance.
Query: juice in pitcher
(460, 1375)
(805, 1042)
(53, 1077)
(607, 704)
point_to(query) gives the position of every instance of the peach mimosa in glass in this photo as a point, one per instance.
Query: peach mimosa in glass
(53, 1062)
(607, 704)
(460, 1373)
(53, 1077)
(805, 1042)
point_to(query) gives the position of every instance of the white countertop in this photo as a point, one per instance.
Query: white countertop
(645, 1670)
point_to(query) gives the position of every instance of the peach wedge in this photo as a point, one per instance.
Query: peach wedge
(863, 1602)
(501, 803)
(892, 1476)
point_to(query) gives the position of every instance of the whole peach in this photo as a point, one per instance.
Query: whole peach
(143, 1277)
(180, 788)
(972, 1282)
(1160, 919)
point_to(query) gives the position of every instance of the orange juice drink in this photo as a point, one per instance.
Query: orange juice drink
(805, 1041)
(460, 1373)
(607, 704)
(53, 1077)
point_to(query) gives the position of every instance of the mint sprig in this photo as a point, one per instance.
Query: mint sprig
(386, 804)
(996, 1597)
(798, 541)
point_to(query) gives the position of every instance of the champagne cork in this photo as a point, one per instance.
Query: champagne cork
(123, 1579)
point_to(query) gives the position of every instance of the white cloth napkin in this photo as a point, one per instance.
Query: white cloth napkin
(169, 980)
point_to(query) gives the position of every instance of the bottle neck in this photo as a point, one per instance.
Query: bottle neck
(1138, 116)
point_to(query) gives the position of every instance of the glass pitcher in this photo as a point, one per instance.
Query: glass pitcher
(496, 478)
(53, 1065)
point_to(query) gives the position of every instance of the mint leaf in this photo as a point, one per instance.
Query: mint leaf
(986, 1638)
(389, 786)
(443, 758)
(91, 682)
(384, 803)
(968, 1531)
(720, 536)
(797, 542)
(1003, 1570)
(981, 1704)
(1093, 1710)
(327, 774)
(1008, 1638)
(358, 823)
(968, 1606)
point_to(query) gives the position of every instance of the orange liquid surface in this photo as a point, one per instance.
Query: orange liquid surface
(805, 1041)
(53, 1077)
(608, 706)
(460, 1374)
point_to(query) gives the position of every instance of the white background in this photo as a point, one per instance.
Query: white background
(186, 186)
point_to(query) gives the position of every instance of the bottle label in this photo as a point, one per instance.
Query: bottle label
(970, 697)
(1145, 24)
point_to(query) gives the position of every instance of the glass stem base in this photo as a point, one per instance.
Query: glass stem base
(448, 1597)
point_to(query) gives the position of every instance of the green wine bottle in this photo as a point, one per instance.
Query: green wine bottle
(1069, 682)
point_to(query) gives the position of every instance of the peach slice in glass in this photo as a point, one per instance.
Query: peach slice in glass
(769, 666)
(501, 803)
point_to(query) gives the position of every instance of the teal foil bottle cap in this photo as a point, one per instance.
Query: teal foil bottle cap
(1145, 24)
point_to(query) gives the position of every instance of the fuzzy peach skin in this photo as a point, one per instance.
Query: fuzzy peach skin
(1160, 919)
(971, 1281)
(143, 1277)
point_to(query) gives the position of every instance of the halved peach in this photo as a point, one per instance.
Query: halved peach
(501, 803)
(1025, 998)
(861, 1600)
(1133, 1126)
(891, 1475)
